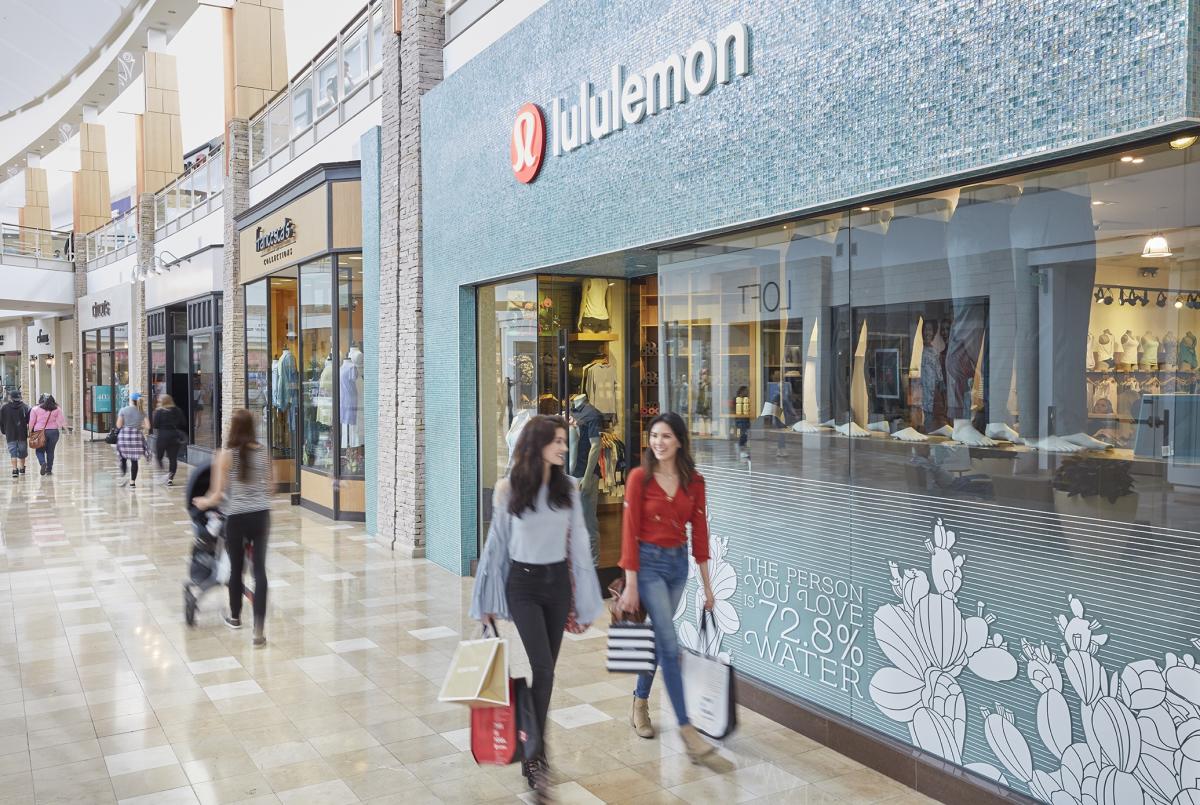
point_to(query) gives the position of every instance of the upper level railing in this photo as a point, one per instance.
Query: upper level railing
(31, 244)
(327, 92)
(192, 196)
(114, 240)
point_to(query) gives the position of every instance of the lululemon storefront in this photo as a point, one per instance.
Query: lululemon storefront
(938, 362)
(302, 267)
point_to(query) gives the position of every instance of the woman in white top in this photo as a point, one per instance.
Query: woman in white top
(526, 572)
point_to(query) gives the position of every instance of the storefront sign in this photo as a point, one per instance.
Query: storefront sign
(102, 399)
(629, 98)
(293, 233)
(275, 239)
(104, 308)
(101, 310)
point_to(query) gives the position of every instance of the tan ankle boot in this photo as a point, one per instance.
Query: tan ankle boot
(697, 747)
(640, 718)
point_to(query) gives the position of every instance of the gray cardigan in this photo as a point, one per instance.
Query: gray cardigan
(530, 542)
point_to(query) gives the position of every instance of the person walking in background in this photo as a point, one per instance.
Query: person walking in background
(131, 438)
(527, 568)
(170, 433)
(663, 496)
(241, 486)
(14, 418)
(47, 416)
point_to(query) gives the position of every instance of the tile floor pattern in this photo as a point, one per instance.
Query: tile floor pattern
(107, 696)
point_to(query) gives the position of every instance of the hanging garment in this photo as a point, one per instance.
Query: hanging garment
(1105, 343)
(1103, 396)
(1169, 349)
(1128, 393)
(284, 381)
(1090, 358)
(324, 400)
(600, 385)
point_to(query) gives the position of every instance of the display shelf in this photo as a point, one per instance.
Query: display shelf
(593, 337)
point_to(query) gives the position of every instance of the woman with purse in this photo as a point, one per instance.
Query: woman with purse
(662, 496)
(537, 550)
(131, 438)
(46, 422)
(170, 433)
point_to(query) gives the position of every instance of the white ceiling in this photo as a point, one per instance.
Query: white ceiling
(43, 43)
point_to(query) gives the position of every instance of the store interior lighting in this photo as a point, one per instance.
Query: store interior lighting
(1186, 141)
(1156, 246)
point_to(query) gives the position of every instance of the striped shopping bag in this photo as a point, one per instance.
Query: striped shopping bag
(630, 647)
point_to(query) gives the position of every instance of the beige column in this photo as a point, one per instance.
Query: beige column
(255, 38)
(92, 197)
(35, 214)
(160, 140)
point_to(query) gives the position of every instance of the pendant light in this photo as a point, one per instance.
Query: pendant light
(1178, 301)
(1156, 246)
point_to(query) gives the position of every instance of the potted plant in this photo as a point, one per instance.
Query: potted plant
(1095, 487)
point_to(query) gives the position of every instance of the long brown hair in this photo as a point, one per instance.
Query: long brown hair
(241, 438)
(683, 458)
(525, 477)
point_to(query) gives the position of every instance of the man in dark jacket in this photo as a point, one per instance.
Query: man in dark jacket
(14, 421)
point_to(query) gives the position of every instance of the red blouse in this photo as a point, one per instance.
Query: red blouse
(651, 516)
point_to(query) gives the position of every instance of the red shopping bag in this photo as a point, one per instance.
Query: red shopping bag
(494, 732)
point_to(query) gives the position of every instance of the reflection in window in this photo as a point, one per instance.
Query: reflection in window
(258, 357)
(376, 38)
(258, 140)
(285, 374)
(158, 373)
(354, 60)
(350, 371)
(203, 385)
(327, 86)
(318, 372)
(302, 103)
(279, 126)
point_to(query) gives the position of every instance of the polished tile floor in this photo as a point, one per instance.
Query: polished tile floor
(107, 696)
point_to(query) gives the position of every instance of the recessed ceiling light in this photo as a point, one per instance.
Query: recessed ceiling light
(865, 209)
(1127, 158)
(1187, 141)
(1137, 160)
(1098, 203)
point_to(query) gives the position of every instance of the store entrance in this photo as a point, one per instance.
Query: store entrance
(566, 346)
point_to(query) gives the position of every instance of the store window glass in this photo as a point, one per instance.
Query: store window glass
(508, 379)
(354, 60)
(280, 131)
(91, 371)
(284, 332)
(258, 357)
(203, 385)
(119, 378)
(258, 142)
(302, 103)
(376, 38)
(319, 371)
(350, 370)
(158, 372)
(327, 86)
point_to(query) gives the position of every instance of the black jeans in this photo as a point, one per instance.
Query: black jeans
(132, 467)
(539, 597)
(167, 443)
(250, 527)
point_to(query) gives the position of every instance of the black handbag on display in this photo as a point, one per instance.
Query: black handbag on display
(111, 438)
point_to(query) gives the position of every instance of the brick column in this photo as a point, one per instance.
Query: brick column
(26, 370)
(81, 290)
(412, 65)
(139, 373)
(235, 198)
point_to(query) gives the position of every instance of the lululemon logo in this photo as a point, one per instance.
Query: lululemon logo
(528, 143)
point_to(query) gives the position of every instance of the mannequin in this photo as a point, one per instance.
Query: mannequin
(1130, 344)
(589, 421)
(349, 385)
(1168, 351)
(858, 380)
(933, 376)
(1187, 351)
(1105, 343)
(593, 306)
(1148, 360)
(324, 401)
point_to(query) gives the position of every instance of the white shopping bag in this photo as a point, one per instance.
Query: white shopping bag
(478, 673)
(223, 567)
(708, 688)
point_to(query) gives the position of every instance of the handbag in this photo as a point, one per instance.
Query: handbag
(494, 739)
(111, 438)
(478, 673)
(630, 648)
(616, 590)
(708, 687)
(572, 626)
(37, 440)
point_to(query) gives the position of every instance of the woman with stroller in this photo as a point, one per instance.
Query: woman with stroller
(662, 496)
(241, 485)
(169, 435)
(527, 568)
(131, 439)
(48, 417)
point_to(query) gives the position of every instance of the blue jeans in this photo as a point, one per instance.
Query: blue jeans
(661, 581)
(45, 455)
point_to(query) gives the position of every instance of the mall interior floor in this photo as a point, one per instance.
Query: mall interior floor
(106, 695)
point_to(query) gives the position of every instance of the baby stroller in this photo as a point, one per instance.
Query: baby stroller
(208, 528)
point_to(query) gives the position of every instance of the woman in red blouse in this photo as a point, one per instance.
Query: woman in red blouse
(662, 497)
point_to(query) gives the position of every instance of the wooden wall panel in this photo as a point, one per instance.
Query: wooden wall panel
(259, 54)
(90, 190)
(161, 140)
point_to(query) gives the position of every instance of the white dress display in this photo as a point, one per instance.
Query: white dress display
(1105, 343)
(1129, 349)
(324, 399)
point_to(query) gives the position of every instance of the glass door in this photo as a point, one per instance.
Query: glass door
(283, 334)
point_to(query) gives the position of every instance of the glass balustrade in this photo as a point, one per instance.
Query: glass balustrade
(38, 244)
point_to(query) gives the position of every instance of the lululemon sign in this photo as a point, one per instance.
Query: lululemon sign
(528, 143)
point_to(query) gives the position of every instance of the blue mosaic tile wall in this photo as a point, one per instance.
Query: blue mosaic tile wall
(844, 99)
(370, 146)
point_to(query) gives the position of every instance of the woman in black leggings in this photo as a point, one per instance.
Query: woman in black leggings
(169, 435)
(524, 574)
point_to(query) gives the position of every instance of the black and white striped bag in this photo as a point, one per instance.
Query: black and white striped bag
(630, 647)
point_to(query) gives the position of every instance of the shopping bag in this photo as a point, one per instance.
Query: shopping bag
(529, 734)
(478, 675)
(708, 688)
(630, 647)
(494, 739)
(223, 568)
